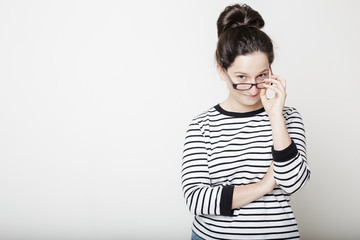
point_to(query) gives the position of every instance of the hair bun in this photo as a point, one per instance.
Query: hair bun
(239, 15)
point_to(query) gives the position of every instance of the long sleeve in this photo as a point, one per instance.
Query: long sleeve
(201, 198)
(291, 169)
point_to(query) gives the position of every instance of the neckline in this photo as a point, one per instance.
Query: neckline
(239, 114)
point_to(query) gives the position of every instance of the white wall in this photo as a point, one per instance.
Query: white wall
(96, 96)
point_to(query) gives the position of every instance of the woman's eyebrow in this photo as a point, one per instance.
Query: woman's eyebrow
(239, 73)
(247, 74)
(264, 70)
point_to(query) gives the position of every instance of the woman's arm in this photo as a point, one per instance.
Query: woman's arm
(201, 197)
(291, 169)
(289, 148)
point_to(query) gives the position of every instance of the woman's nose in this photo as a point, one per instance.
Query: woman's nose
(254, 90)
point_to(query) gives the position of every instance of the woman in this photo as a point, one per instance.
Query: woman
(244, 157)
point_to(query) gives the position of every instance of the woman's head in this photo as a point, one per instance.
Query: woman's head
(239, 34)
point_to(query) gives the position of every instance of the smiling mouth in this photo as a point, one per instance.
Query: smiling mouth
(251, 96)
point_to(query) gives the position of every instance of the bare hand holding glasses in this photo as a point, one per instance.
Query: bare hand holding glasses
(274, 106)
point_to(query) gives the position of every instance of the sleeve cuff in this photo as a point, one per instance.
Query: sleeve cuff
(226, 201)
(286, 154)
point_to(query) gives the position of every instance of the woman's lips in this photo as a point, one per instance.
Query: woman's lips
(252, 96)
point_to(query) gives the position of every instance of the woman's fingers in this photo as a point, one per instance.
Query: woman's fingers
(279, 90)
(280, 79)
(263, 95)
(275, 83)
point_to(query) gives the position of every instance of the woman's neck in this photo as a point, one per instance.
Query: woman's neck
(232, 105)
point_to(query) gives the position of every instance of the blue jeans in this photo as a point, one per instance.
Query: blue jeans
(194, 236)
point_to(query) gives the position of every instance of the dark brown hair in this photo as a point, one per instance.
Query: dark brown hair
(239, 34)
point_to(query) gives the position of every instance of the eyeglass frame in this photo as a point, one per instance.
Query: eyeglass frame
(234, 85)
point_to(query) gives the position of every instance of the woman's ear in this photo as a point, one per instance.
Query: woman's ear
(221, 72)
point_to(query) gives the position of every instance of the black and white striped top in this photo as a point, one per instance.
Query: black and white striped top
(226, 149)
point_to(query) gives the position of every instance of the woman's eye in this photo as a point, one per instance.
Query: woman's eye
(241, 77)
(262, 75)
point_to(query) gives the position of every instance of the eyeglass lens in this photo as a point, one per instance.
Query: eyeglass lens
(259, 82)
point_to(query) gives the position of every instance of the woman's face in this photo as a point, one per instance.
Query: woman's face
(249, 68)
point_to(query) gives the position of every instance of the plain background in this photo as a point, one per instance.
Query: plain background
(96, 96)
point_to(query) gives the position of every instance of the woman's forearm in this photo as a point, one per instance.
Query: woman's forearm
(246, 194)
(281, 137)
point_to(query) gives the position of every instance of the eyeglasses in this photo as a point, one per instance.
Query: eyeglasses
(260, 81)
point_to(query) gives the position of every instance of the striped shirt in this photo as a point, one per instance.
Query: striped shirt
(226, 149)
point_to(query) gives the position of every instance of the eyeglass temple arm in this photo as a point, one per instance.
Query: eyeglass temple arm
(228, 77)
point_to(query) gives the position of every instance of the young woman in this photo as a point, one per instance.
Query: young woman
(244, 157)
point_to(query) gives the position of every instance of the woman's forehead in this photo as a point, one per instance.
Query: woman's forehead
(250, 64)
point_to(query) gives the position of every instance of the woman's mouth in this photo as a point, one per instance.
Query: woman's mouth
(252, 96)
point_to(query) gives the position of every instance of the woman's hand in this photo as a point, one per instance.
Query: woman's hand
(268, 182)
(246, 194)
(274, 106)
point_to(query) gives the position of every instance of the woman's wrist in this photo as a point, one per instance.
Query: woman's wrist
(276, 118)
(264, 187)
(281, 138)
